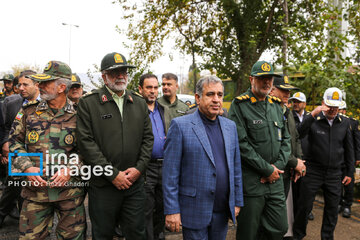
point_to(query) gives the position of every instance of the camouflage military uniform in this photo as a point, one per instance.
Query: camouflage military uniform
(37, 129)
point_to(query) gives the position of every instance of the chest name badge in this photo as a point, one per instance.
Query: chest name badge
(69, 139)
(33, 137)
(257, 121)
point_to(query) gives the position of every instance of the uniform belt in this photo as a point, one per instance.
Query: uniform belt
(157, 160)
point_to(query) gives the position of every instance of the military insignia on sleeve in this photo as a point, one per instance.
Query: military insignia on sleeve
(252, 99)
(33, 137)
(266, 67)
(104, 98)
(19, 116)
(118, 58)
(69, 139)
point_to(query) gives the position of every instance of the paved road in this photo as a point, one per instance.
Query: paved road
(346, 229)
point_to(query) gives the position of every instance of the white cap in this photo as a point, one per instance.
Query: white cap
(342, 105)
(333, 97)
(299, 96)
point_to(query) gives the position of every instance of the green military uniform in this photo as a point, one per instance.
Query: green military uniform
(7, 77)
(116, 132)
(263, 140)
(177, 108)
(39, 129)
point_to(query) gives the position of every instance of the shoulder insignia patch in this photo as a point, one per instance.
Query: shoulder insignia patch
(88, 94)
(253, 100)
(136, 94)
(270, 101)
(19, 116)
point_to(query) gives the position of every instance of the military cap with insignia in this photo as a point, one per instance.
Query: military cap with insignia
(263, 68)
(53, 70)
(333, 97)
(8, 77)
(114, 60)
(75, 80)
(282, 82)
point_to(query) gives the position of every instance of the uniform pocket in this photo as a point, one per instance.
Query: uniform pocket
(258, 130)
(278, 126)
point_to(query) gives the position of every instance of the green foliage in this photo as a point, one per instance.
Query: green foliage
(229, 35)
(318, 53)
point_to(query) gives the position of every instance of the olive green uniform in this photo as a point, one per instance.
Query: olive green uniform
(263, 140)
(36, 129)
(108, 138)
(177, 108)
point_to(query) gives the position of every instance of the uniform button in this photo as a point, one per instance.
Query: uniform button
(212, 192)
(214, 174)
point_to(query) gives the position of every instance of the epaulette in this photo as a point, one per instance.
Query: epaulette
(88, 93)
(343, 115)
(275, 99)
(242, 98)
(308, 113)
(137, 94)
(192, 106)
(30, 103)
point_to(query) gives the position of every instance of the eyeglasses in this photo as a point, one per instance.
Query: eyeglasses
(116, 72)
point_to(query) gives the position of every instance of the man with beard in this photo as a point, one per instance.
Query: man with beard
(76, 89)
(114, 131)
(29, 92)
(160, 120)
(8, 86)
(265, 149)
(47, 127)
(330, 148)
(169, 98)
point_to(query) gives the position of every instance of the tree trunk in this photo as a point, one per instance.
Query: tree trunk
(194, 70)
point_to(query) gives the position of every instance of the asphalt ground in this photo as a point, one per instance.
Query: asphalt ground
(346, 228)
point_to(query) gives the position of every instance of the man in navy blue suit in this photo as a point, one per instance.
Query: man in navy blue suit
(202, 180)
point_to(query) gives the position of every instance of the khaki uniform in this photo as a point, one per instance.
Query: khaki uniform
(36, 129)
(177, 108)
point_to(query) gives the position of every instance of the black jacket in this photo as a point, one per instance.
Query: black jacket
(304, 139)
(329, 147)
(10, 107)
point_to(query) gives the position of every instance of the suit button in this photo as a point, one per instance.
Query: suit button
(212, 192)
(214, 174)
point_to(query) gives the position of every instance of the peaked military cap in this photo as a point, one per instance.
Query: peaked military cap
(53, 70)
(114, 60)
(282, 82)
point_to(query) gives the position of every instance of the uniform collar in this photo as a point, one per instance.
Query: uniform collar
(105, 95)
(69, 107)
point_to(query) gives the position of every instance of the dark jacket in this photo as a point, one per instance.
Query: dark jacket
(329, 147)
(106, 139)
(356, 135)
(11, 106)
(165, 116)
(304, 139)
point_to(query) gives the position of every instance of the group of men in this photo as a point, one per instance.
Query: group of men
(167, 167)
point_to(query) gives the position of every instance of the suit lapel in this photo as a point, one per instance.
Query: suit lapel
(226, 132)
(200, 132)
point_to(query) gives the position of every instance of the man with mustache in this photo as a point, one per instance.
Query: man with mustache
(76, 89)
(330, 149)
(169, 98)
(47, 127)
(114, 130)
(8, 86)
(265, 149)
(160, 119)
